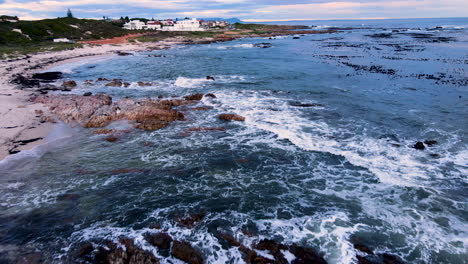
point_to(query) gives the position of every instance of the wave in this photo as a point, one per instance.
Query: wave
(402, 165)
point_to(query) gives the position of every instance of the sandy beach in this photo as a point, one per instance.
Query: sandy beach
(22, 127)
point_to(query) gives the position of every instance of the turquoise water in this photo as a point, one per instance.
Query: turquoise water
(318, 176)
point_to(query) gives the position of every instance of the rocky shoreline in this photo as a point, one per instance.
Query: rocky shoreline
(24, 121)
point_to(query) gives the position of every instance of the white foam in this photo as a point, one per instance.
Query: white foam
(396, 166)
(243, 46)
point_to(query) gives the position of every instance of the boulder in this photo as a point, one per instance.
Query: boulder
(159, 240)
(419, 146)
(231, 117)
(210, 78)
(184, 251)
(88, 94)
(69, 84)
(210, 95)
(115, 83)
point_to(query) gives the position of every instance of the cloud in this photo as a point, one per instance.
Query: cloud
(244, 9)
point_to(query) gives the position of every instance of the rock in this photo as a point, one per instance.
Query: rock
(430, 143)
(391, 259)
(305, 255)
(128, 254)
(299, 104)
(88, 94)
(363, 248)
(296, 37)
(160, 240)
(111, 139)
(100, 79)
(69, 84)
(194, 97)
(126, 84)
(274, 249)
(250, 256)
(419, 146)
(47, 76)
(184, 251)
(263, 45)
(98, 111)
(85, 249)
(121, 53)
(191, 220)
(210, 95)
(25, 82)
(115, 83)
(144, 84)
(230, 117)
(210, 78)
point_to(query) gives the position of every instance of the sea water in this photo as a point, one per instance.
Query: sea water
(324, 156)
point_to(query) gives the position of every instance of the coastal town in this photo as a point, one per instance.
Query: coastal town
(187, 24)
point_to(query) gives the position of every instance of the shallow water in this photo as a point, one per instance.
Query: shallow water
(317, 176)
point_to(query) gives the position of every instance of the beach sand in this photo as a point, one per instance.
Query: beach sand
(21, 127)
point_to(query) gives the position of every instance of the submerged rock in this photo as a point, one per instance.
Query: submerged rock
(210, 78)
(419, 146)
(184, 251)
(230, 117)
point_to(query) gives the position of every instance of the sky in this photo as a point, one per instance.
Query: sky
(247, 10)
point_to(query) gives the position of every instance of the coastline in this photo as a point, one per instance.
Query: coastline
(23, 126)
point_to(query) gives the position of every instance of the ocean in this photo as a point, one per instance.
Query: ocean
(324, 159)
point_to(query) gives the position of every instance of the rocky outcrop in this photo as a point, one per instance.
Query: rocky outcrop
(231, 117)
(159, 240)
(184, 251)
(129, 254)
(115, 83)
(98, 111)
(191, 220)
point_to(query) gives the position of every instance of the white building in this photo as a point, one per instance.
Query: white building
(166, 25)
(135, 25)
(188, 25)
(154, 25)
(62, 40)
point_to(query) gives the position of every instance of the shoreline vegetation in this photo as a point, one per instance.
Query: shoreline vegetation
(28, 48)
